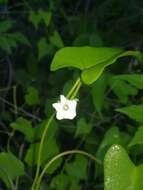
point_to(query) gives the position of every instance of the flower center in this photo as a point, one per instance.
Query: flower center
(65, 107)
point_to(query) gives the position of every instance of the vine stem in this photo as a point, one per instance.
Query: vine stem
(76, 85)
(15, 100)
(15, 112)
(40, 150)
(73, 88)
(61, 155)
(76, 90)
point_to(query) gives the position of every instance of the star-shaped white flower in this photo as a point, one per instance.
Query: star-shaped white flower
(65, 109)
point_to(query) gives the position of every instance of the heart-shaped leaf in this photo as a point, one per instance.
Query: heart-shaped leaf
(91, 60)
(120, 172)
(82, 57)
(112, 136)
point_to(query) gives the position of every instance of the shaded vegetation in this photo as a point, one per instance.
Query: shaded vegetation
(110, 109)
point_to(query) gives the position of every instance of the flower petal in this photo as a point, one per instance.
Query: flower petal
(57, 106)
(72, 104)
(62, 113)
(70, 114)
(63, 99)
(59, 115)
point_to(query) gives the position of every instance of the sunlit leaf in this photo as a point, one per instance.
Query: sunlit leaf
(112, 136)
(120, 172)
(91, 60)
(82, 57)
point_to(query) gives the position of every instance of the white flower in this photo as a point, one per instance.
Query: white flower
(66, 109)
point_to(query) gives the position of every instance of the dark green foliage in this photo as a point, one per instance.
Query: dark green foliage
(45, 45)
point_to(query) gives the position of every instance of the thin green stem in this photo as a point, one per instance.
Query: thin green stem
(40, 150)
(74, 88)
(15, 100)
(15, 112)
(9, 180)
(61, 155)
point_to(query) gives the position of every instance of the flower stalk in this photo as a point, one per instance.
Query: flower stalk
(61, 155)
(70, 95)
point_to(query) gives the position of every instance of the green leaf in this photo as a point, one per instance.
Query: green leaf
(25, 127)
(4, 44)
(134, 112)
(74, 186)
(122, 89)
(138, 137)
(134, 79)
(76, 169)
(112, 136)
(54, 166)
(60, 182)
(10, 41)
(119, 171)
(43, 48)
(3, 2)
(82, 57)
(5, 25)
(95, 40)
(37, 17)
(23, 77)
(91, 74)
(56, 40)
(32, 96)
(50, 149)
(45, 16)
(10, 167)
(19, 37)
(34, 18)
(91, 60)
(81, 40)
(92, 40)
(98, 92)
(83, 128)
(52, 131)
